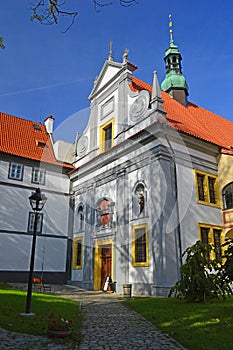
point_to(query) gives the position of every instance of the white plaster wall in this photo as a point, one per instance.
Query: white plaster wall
(52, 251)
(57, 181)
(15, 208)
(56, 214)
(110, 72)
(77, 275)
(106, 190)
(16, 251)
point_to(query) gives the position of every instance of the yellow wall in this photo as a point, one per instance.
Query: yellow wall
(225, 170)
(225, 176)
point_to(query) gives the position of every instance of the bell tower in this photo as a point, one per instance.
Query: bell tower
(174, 82)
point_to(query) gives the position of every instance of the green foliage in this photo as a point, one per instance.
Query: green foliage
(201, 278)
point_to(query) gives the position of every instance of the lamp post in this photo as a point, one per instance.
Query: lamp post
(37, 202)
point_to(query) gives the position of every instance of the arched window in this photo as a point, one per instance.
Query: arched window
(227, 196)
(174, 59)
(80, 217)
(168, 65)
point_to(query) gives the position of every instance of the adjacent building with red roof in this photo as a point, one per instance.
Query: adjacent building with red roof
(27, 161)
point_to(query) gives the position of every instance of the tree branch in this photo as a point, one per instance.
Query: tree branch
(2, 46)
(48, 11)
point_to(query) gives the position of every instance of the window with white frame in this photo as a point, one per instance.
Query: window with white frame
(38, 176)
(31, 221)
(16, 171)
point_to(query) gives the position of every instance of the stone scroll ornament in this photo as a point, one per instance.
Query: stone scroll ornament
(140, 106)
(82, 146)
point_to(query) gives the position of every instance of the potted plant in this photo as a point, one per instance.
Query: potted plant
(58, 327)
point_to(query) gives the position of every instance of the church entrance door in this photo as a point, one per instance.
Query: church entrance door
(103, 262)
(106, 263)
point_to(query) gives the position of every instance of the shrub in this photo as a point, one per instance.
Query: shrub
(201, 278)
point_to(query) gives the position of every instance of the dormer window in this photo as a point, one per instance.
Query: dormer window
(37, 127)
(41, 144)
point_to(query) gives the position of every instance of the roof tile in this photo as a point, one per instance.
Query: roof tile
(193, 120)
(19, 137)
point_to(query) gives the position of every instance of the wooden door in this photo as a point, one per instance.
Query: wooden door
(106, 264)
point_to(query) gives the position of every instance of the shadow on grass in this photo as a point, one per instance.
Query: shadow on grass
(13, 302)
(202, 326)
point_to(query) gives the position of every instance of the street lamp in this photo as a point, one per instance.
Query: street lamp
(37, 202)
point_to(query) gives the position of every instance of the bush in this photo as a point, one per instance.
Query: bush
(201, 278)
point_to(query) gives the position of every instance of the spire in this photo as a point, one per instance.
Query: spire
(156, 97)
(110, 56)
(171, 31)
(156, 93)
(174, 82)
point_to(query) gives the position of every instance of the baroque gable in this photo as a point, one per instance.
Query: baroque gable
(117, 110)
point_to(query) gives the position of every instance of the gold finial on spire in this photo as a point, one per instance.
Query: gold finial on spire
(170, 26)
(110, 56)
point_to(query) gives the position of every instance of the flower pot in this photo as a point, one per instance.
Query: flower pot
(53, 333)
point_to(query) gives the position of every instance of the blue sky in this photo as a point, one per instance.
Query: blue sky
(44, 71)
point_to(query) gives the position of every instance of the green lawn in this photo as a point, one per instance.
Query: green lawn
(197, 326)
(12, 303)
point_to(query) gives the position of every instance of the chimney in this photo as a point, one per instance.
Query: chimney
(48, 122)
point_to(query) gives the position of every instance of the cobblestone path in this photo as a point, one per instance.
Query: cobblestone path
(110, 325)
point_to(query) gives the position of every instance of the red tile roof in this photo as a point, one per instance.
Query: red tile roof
(27, 139)
(193, 120)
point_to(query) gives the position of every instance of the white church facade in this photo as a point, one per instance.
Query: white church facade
(146, 182)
